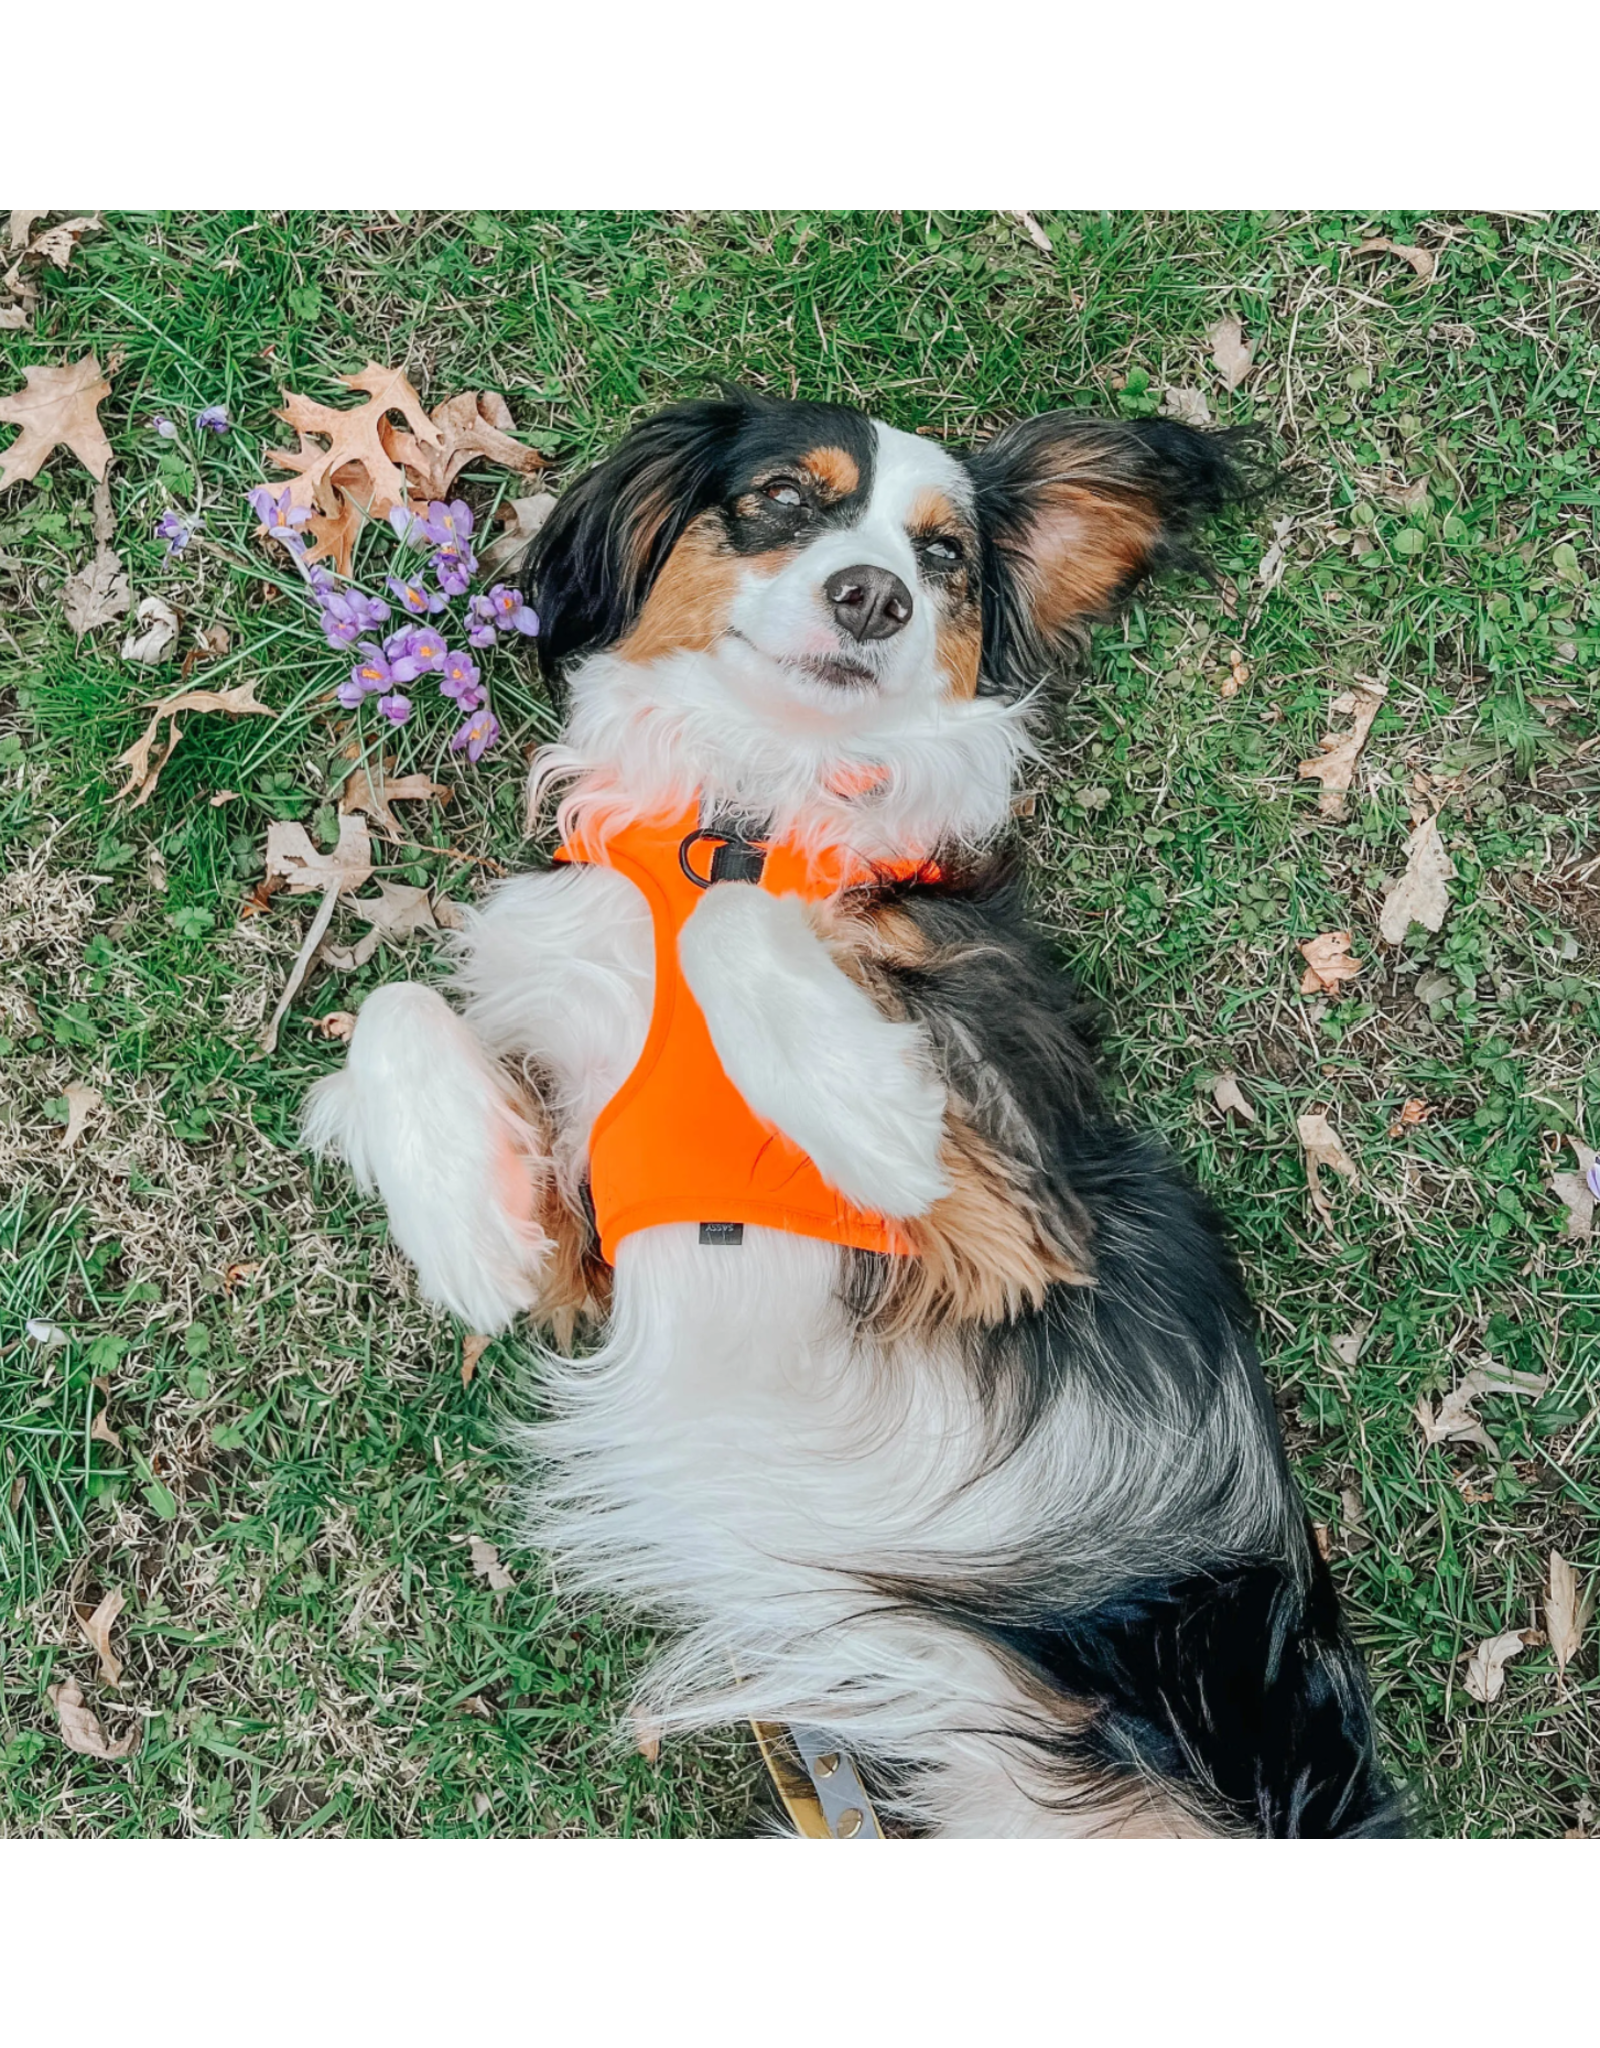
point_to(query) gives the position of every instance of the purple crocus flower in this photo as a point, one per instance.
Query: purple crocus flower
(459, 679)
(373, 608)
(278, 516)
(414, 652)
(449, 525)
(167, 429)
(1591, 1180)
(477, 736)
(344, 619)
(511, 610)
(480, 622)
(214, 419)
(320, 577)
(372, 671)
(177, 530)
(395, 708)
(411, 531)
(352, 695)
(454, 568)
(416, 597)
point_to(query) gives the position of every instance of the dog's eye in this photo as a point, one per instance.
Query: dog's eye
(782, 490)
(941, 551)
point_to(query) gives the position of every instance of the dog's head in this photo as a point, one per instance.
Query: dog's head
(827, 559)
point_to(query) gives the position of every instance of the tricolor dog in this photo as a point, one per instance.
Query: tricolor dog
(918, 1397)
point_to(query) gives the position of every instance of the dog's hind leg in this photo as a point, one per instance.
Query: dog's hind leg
(421, 1113)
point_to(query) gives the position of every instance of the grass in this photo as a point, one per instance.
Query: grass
(308, 1649)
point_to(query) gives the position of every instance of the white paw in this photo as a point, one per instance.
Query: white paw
(811, 1053)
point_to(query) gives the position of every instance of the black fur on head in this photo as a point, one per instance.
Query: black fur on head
(591, 566)
(1075, 512)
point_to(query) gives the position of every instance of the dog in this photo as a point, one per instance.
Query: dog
(921, 1404)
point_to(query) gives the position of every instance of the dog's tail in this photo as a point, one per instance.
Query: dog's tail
(1239, 1688)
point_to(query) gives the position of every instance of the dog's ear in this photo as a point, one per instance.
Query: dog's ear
(1075, 512)
(591, 565)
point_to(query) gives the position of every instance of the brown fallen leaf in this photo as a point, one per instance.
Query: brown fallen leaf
(1486, 1666)
(1419, 896)
(97, 1627)
(300, 967)
(56, 408)
(1335, 764)
(1410, 498)
(13, 317)
(1231, 353)
(1183, 403)
(55, 245)
(472, 1349)
(98, 592)
(81, 1731)
(1228, 1095)
(353, 441)
(1457, 1422)
(1322, 1536)
(1577, 1191)
(521, 519)
(337, 1024)
(1423, 261)
(1412, 1111)
(372, 787)
(472, 427)
(1276, 559)
(486, 1563)
(101, 1432)
(646, 1734)
(81, 1104)
(1035, 234)
(1348, 1346)
(1320, 1142)
(1329, 962)
(1567, 1608)
(155, 632)
(294, 860)
(22, 220)
(143, 773)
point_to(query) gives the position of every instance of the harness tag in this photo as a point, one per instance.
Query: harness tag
(722, 1233)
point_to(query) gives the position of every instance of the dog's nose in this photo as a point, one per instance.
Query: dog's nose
(870, 604)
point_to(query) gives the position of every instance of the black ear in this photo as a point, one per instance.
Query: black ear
(1076, 512)
(591, 565)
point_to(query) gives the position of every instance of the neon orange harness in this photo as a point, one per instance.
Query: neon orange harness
(678, 1143)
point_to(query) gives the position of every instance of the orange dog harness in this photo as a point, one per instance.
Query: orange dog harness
(678, 1143)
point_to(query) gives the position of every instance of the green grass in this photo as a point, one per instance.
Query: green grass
(307, 1647)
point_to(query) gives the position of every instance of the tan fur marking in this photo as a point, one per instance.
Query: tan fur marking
(1084, 546)
(932, 512)
(575, 1286)
(834, 470)
(688, 604)
(986, 1253)
(960, 646)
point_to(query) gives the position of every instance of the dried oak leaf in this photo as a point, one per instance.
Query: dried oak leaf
(97, 1627)
(353, 438)
(1183, 403)
(521, 519)
(99, 592)
(155, 633)
(1577, 1191)
(1412, 1111)
(1320, 1143)
(1335, 765)
(56, 408)
(337, 1024)
(1419, 896)
(1486, 1667)
(143, 772)
(472, 1349)
(1456, 1421)
(373, 797)
(1567, 1608)
(486, 1563)
(101, 1432)
(81, 1104)
(22, 220)
(471, 428)
(295, 861)
(1423, 261)
(81, 1731)
(1231, 353)
(1228, 1095)
(395, 912)
(1329, 962)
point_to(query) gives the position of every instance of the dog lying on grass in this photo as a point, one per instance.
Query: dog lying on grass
(923, 1402)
